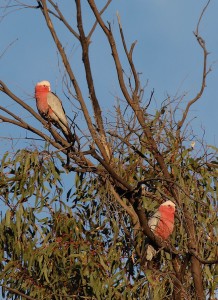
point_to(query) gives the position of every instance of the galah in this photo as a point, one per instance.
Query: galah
(50, 107)
(161, 224)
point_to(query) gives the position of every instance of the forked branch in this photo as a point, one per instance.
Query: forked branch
(61, 17)
(130, 59)
(106, 152)
(96, 22)
(71, 74)
(115, 54)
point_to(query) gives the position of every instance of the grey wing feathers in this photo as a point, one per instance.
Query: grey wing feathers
(59, 115)
(153, 221)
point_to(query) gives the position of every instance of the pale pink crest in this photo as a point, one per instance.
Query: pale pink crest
(44, 83)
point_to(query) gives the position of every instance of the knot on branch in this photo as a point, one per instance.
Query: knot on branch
(39, 5)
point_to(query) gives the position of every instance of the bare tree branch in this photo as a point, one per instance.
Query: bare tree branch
(59, 142)
(151, 145)
(71, 75)
(6, 49)
(205, 72)
(201, 16)
(115, 55)
(23, 124)
(61, 17)
(95, 103)
(17, 292)
(130, 59)
(96, 22)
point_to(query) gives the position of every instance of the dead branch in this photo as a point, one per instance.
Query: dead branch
(8, 92)
(8, 46)
(15, 291)
(130, 59)
(105, 150)
(61, 17)
(25, 125)
(140, 114)
(96, 22)
(205, 72)
(115, 54)
(59, 142)
(72, 76)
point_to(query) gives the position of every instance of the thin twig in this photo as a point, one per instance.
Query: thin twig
(8, 46)
(103, 147)
(34, 130)
(130, 59)
(202, 260)
(202, 13)
(205, 72)
(96, 22)
(15, 291)
(61, 17)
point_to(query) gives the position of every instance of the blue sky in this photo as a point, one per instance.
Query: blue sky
(166, 54)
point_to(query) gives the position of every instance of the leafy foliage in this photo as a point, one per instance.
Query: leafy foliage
(86, 249)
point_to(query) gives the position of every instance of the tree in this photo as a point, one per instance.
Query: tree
(88, 242)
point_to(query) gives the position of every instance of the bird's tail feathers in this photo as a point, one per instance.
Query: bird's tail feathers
(150, 253)
(65, 129)
(69, 136)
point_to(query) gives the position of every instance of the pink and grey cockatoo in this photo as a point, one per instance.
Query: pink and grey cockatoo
(161, 224)
(50, 107)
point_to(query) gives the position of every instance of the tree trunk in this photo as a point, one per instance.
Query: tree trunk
(197, 278)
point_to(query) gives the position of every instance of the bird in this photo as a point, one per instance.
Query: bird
(161, 224)
(50, 107)
(192, 144)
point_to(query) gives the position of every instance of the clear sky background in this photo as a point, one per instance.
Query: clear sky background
(166, 54)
